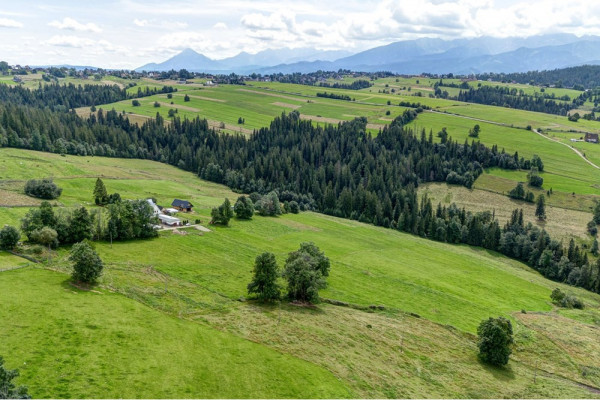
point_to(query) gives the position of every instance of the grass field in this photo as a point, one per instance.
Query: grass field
(170, 307)
(98, 344)
(561, 223)
(170, 318)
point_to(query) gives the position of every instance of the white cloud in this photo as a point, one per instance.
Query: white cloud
(72, 25)
(69, 41)
(271, 22)
(140, 22)
(220, 25)
(10, 23)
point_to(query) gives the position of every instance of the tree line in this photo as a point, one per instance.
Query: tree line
(507, 97)
(579, 78)
(355, 85)
(64, 97)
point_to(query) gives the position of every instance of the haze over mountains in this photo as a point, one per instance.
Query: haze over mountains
(459, 56)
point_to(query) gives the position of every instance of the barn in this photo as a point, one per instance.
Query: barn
(182, 205)
(591, 137)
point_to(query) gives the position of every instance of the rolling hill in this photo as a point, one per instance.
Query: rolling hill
(407, 308)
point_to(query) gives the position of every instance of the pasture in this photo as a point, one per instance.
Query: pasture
(184, 295)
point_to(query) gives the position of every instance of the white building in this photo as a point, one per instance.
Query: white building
(163, 218)
(168, 220)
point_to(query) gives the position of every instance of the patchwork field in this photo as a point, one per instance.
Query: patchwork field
(170, 317)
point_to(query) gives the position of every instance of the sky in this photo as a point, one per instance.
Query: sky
(130, 33)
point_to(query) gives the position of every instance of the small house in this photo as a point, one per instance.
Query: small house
(591, 137)
(182, 205)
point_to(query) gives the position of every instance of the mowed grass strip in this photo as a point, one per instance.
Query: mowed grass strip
(69, 343)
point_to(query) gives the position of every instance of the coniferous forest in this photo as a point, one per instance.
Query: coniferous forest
(337, 169)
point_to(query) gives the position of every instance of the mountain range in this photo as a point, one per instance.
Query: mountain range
(459, 56)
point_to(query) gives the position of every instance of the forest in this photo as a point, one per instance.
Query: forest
(581, 77)
(339, 170)
(64, 97)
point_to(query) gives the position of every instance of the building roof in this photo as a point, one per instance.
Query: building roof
(182, 203)
(591, 136)
(167, 219)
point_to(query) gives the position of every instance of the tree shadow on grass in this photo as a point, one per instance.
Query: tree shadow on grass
(79, 287)
(503, 374)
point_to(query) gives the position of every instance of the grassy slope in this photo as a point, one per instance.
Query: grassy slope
(561, 223)
(199, 277)
(102, 345)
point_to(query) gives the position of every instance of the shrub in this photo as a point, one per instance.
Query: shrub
(293, 207)
(156, 104)
(564, 300)
(495, 340)
(44, 189)
(45, 236)
(9, 237)
(135, 103)
(186, 98)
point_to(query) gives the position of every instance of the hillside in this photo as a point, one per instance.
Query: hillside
(193, 287)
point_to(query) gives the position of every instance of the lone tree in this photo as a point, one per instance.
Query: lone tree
(243, 208)
(9, 237)
(8, 390)
(87, 265)
(305, 272)
(100, 193)
(186, 98)
(264, 283)
(495, 340)
(222, 214)
(540, 208)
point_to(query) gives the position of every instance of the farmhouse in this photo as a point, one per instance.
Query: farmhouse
(182, 205)
(591, 137)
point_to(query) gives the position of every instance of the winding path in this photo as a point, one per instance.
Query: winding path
(579, 153)
(571, 147)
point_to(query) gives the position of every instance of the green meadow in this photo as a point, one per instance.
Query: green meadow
(170, 316)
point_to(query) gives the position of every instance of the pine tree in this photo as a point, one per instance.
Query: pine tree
(100, 193)
(540, 208)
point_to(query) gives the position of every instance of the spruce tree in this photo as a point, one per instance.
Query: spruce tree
(264, 283)
(100, 193)
(540, 208)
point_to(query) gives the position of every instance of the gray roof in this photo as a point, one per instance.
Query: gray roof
(182, 203)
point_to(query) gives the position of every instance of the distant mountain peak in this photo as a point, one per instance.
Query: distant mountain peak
(433, 55)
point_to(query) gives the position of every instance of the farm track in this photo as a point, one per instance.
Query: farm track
(534, 130)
